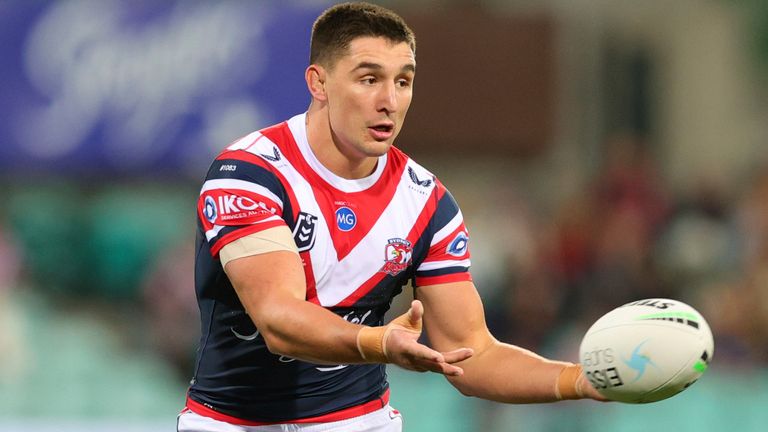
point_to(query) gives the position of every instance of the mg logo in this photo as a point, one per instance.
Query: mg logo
(346, 219)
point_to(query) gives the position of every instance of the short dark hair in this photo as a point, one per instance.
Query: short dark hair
(339, 25)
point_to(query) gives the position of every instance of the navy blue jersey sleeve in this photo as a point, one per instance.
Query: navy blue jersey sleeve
(239, 197)
(448, 258)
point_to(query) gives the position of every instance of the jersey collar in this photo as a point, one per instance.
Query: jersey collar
(297, 125)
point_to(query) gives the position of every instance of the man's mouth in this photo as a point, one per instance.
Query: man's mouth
(381, 132)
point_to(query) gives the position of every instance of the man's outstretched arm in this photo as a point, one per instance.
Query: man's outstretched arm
(497, 371)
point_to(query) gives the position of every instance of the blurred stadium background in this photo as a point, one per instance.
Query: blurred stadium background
(602, 151)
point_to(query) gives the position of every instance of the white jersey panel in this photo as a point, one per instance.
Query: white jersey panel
(322, 254)
(396, 221)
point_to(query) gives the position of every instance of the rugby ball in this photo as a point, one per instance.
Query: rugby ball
(647, 350)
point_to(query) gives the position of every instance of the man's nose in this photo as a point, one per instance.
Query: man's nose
(387, 98)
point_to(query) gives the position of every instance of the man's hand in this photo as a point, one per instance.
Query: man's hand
(589, 391)
(397, 343)
(573, 384)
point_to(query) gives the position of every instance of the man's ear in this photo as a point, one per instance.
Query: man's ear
(315, 76)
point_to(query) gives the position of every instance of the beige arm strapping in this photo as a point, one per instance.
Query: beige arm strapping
(569, 383)
(372, 341)
(274, 239)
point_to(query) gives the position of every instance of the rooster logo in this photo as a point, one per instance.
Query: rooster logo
(397, 256)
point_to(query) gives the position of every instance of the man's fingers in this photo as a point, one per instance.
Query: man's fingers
(458, 355)
(444, 368)
(415, 313)
(451, 370)
(589, 390)
(425, 358)
(404, 349)
(421, 352)
(447, 367)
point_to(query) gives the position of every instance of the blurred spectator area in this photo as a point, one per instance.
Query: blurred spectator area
(82, 282)
(100, 239)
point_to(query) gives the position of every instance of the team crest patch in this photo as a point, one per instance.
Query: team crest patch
(397, 256)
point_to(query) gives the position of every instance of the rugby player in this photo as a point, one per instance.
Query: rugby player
(306, 232)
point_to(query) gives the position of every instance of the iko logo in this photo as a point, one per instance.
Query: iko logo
(458, 246)
(346, 219)
(222, 208)
(236, 206)
(304, 231)
(274, 157)
(209, 210)
(638, 361)
(417, 180)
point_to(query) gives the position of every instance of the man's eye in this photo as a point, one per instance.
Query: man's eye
(403, 83)
(370, 80)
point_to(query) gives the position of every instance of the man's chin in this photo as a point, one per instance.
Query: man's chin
(375, 148)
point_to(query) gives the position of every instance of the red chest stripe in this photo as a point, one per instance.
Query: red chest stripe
(413, 236)
(366, 206)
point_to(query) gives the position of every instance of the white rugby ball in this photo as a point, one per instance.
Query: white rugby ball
(647, 350)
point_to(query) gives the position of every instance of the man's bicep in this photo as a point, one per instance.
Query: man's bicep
(263, 281)
(454, 316)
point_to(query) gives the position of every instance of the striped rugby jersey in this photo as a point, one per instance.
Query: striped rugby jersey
(360, 242)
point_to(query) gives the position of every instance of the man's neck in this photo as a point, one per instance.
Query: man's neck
(323, 144)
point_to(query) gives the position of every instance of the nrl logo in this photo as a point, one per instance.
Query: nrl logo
(304, 232)
(397, 256)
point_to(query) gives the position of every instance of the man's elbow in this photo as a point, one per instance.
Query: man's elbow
(462, 385)
(276, 344)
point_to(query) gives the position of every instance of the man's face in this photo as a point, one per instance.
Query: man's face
(368, 93)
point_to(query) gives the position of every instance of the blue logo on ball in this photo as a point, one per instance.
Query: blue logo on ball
(346, 219)
(639, 361)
